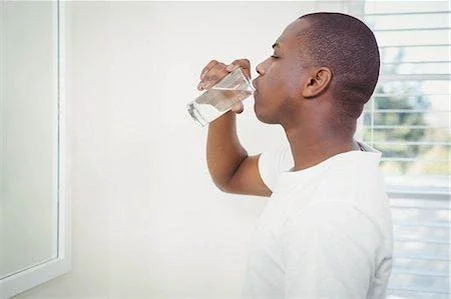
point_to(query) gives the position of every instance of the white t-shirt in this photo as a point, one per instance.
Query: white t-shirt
(326, 231)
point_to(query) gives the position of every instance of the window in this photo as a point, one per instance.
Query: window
(408, 120)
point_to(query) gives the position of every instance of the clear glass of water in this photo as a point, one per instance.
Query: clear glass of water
(220, 98)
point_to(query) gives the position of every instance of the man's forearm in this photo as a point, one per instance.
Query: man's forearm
(224, 151)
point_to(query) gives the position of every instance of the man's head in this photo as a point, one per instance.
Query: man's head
(321, 57)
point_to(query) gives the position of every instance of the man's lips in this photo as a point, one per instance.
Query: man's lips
(254, 83)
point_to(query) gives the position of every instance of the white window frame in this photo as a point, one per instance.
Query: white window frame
(35, 275)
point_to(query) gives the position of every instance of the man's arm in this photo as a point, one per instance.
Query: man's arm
(231, 169)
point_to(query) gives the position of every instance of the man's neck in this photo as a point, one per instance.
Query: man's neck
(310, 149)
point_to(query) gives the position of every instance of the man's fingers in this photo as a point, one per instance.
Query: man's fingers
(210, 65)
(232, 67)
(214, 71)
(245, 65)
(237, 108)
(214, 76)
(211, 74)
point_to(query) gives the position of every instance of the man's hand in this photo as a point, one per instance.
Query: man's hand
(215, 71)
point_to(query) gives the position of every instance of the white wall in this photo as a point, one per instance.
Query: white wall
(147, 220)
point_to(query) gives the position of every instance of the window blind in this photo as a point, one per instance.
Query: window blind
(408, 120)
(408, 117)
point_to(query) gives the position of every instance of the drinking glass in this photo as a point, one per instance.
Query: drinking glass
(220, 98)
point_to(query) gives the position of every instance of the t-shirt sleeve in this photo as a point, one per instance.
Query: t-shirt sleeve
(272, 163)
(329, 252)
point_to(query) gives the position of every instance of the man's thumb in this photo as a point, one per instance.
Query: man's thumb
(238, 108)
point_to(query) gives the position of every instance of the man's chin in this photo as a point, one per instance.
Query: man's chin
(261, 116)
(257, 112)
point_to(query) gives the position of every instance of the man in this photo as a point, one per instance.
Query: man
(326, 231)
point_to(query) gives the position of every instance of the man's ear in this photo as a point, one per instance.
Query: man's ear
(317, 83)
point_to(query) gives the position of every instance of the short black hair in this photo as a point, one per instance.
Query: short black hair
(349, 48)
